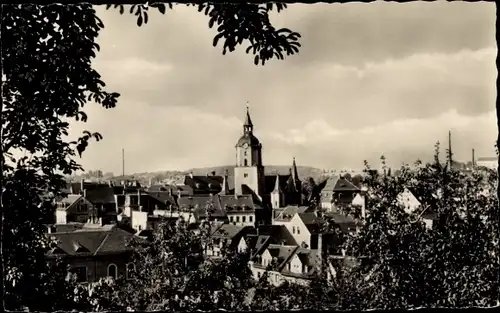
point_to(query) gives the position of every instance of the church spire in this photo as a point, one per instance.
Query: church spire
(277, 183)
(295, 172)
(248, 125)
(225, 184)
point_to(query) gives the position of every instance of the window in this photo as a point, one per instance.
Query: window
(231, 218)
(112, 271)
(130, 270)
(293, 229)
(245, 162)
(298, 231)
(80, 272)
(245, 153)
(244, 219)
(245, 175)
(237, 219)
(250, 219)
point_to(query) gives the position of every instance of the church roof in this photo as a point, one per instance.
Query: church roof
(249, 139)
(270, 182)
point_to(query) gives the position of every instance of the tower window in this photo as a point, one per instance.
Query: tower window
(246, 174)
(245, 153)
(245, 162)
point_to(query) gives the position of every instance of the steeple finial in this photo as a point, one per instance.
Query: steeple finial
(248, 125)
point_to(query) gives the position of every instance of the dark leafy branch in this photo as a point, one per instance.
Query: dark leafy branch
(236, 24)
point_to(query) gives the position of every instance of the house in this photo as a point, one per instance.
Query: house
(337, 191)
(97, 204)
(240, 210)
(94, 253)
(293, 264)
(488, 162)
(301, 222)
(410, 199)
(360, 201)
(139, 209)
(227, 235)
(194, 209)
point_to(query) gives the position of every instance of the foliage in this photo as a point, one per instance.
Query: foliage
(236, 23)
(453, 264)
(47, 78)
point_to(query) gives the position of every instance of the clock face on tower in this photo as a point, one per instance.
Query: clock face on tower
(245, 145)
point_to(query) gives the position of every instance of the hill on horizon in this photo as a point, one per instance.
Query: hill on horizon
(176, 177)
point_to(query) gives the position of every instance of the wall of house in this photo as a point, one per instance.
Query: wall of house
(61, 217)
(242, 218)
(298, 230)
(242, 245)
(139, 220)
(97, 267)
(295, 265)
(408, 200)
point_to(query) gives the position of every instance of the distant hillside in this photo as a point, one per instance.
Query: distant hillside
(304, 171)
(176, 177)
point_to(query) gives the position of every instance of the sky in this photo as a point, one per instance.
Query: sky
(370, 79)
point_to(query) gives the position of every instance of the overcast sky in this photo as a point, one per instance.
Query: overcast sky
(370, 79)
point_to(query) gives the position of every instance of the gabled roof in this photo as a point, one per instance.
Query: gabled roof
(487, 159)
(101, 195)
(200, 203)
(312, 222)
(175, 189)
(282, 253)
(241, 203)
(289, 212)
(204, 184)
(339, 184)
(228, 231)
(69, 200)
(345, 223)
(92, 242)
(307, 257)
(163, 196)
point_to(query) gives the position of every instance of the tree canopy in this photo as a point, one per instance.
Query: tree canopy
(47, 79)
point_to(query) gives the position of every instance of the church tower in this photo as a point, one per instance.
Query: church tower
(249, 170)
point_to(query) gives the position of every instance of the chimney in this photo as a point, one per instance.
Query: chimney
(170, 192)
(191, 174)
(213, 173)
(207, 174)
(82, 185)
(473, 159)
(139, 197)
(179, 193)
(140, 208)
(85, 193)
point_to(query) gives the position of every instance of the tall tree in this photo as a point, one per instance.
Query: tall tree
(47, 78)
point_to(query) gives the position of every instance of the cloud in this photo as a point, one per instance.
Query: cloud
(403, 140)
(370, 79)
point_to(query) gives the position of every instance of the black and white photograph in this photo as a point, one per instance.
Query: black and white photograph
(171, 156)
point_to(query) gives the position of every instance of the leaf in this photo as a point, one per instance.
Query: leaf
(139, 21)
(161, 8)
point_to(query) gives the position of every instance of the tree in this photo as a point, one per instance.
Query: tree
(409, 265)
(237, 23)
(47, 78)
